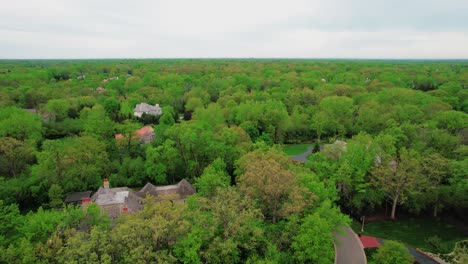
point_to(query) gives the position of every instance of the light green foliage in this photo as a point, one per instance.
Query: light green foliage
(392, 252)
(56, 196)
(196, 145)
(19, 124)
(314, 243)
(76, 163)
(96, 123)
(165, 122)
(86, 248)
(40, 225)
(93, 216)
(167, 117)
(59, 108)
(15, 156)
(265, 177)
(335, 115)
(22, 252)
(163, 162)
(400, 177)
(214, 176)
(212, 114)
(228, 223)
(353, 169)
(269, 117)
(11, 222)
(404, 123)
(453, 121)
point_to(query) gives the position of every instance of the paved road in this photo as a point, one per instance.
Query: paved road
(303, 157)
(418, 255)
(349, 249)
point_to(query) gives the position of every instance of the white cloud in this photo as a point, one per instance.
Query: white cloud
(242, 28)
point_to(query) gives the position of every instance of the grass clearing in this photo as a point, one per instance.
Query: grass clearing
(296, 149)
(415, 232)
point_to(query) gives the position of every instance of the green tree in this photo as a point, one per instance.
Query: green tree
(338, 113)
(225, 228)
(399, 178)
(163, 163)
(59, 108)
(265, 178)
(82, 247)
(392, 252)
(77, 164)
(96, 123)
(55, 196)
(314, 242)
(11, 223)
(214, 176)
(19, 124)
(436, 169)
(15, 156)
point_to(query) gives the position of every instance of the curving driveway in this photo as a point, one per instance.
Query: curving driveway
(303, 157)
(348, 247)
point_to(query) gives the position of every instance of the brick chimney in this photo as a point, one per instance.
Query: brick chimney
(106, 183)
(85, 202)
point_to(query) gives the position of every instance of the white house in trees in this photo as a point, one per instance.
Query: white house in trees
(147, 109)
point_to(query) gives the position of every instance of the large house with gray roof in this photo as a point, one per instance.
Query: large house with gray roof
(148, 109)
(116, 201)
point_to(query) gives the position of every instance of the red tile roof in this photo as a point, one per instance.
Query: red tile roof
(144, 130)
(139, 133)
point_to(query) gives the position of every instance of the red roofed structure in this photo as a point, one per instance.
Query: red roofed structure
(144, 134)
(369, 242)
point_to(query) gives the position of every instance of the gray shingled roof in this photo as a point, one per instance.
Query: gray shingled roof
(148, 109)
(77, 196)
(183, 189)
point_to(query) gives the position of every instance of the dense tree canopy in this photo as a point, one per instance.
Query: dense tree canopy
(384, 133)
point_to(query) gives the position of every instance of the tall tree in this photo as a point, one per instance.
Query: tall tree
(15, 155)
(77, 164)
(399, 177)
(266, 178)
(96, 123)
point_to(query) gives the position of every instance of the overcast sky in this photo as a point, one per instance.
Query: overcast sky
(235, 28)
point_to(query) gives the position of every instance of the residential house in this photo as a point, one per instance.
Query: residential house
(148, 109)
(334, 151)
(117, 201)
(181, 190)
(144, 135)
(111, 79)
(77, 197)
(100, 89)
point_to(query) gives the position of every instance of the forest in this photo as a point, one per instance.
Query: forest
(389, 137)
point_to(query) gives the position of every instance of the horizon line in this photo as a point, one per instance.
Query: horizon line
(234, 58)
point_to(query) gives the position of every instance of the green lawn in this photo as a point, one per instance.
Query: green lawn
(414, 232)
(292, 150)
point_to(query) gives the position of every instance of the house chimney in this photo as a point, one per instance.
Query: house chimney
(85, 202)
(106, 183)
